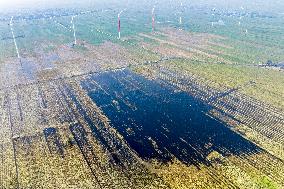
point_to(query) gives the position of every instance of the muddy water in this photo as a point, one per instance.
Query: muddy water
(159, 122)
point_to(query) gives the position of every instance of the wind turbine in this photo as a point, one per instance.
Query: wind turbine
(180, 18)
(240, 18)
(12, 31)
(213, 15)
(74, 31)
(153, 19)
(119, 24)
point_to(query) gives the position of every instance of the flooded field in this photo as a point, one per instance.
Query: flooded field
(160, 122)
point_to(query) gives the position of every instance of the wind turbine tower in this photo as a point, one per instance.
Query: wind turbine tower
(119, 22)
(180, 18)
(74, 31)
(153, 19)
(15, 43)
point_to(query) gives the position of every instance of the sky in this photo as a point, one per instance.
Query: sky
(265, 5)
(8, 4)
(40, 4)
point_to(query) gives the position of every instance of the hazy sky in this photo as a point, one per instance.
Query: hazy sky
(23, 4)
(266, 5)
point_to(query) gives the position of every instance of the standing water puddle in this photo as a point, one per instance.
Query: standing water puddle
(158, 122)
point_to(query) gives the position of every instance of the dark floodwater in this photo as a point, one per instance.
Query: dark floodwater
(144, 111)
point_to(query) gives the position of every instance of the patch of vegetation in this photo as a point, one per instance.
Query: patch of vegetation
(268, 85)
(267, 183)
